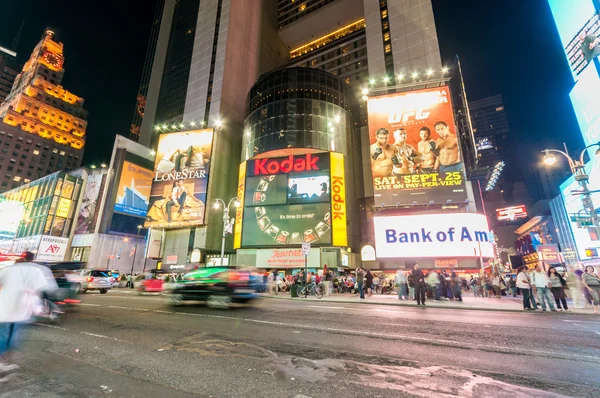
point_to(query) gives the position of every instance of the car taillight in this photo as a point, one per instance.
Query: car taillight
(90, 279)
(238, 278)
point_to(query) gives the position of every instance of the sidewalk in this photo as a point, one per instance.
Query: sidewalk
(509, 304)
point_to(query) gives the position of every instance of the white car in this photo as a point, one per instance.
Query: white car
(92, 279)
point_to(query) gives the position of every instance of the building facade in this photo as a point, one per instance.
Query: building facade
(43, 125)
(39, 214)
(381, 46)
(9, 69)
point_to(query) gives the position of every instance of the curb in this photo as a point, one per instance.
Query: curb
(453, 307)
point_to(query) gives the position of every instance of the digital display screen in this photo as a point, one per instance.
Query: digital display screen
(134, 190)
(287, 225)
(267, 190)
(584, 97)
(511, 213)
(307, 189)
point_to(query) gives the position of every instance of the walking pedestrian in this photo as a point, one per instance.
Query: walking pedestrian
(558, 284)
(513, 286)
(496, 285)
(21, 287)
(419, 281)
(328, 276)
(524, 284)
(360, 278)
(456, 285)
(411, 285)
(542, 285)
(369, 282)
(401, 285)
(433, 280)
(591, 281)
(532, 291)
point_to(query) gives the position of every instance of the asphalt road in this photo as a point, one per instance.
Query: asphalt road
(125, 345)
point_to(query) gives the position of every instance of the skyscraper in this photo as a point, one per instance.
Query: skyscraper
(43, 125)
(206, 55)
(9, 69)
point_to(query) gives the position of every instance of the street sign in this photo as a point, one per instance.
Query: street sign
(306, 248)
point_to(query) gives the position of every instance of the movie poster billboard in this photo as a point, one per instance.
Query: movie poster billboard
(133, 193)
(88, 212)
(288, 200)
(181, 170)
(414, 149)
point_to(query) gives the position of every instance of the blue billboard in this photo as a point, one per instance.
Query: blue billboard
(585, 97)
(578, 25)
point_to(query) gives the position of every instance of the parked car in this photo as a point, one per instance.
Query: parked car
(96, 279)
(218, 286)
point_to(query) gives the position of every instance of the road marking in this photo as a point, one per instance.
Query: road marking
(49, 326)
(572, 321)
(382, 310)
(90, 305)
(326, 307)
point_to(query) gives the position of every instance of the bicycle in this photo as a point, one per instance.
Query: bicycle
(313, 289)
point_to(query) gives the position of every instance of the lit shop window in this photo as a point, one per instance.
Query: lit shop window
(388, 48)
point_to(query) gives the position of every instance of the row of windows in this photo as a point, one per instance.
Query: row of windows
(297, 9)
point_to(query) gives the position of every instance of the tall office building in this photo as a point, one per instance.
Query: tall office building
(206, 55)
(43, 125)
(490, 128)
(9, 69)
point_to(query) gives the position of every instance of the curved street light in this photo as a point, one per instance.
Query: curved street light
(227, 222)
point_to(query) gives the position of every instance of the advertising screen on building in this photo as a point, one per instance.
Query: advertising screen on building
(578, 26)
(584, 97)
(433, 235)
(133, 193)
(578, 210)
(288, 200)
(511, 213)
(181, 170)
(415, 152)
(88, 212)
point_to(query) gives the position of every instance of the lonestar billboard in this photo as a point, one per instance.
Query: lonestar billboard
(433, 235)
(415, 151)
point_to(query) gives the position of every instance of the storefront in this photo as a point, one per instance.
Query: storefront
(537, 242)
(40, 216)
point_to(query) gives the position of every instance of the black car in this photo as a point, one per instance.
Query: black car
(218, 286)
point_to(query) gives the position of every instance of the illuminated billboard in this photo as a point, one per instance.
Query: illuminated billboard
(133, 193)
(584, 97)
(578, 26)
(181, 170)
(578, 209)
(433, 235)
(511, 213)
(88, 212)
(292, 199)
(415, 152)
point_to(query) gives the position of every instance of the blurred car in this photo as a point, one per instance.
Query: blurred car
(96, 279)
(220, 287)
(115, 274)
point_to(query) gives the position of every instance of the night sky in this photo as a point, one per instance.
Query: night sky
(508, 47)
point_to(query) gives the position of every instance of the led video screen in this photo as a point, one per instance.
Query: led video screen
(308, 189)
(267, 190)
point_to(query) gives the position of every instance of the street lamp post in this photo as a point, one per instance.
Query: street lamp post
(578, 171)
(134, 253)
(227, 222)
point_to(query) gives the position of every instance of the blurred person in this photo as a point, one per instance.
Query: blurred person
(21, 287)
(419, 281)
(327, 283)
(475, 286)
(542, 285)
(360, 279)
(456, 284)
(401, 284)
(532, 289)
(410, 281)
(524, 284)
(591, 281)
(512, 283)
(496, 285)
(433, 280)
(369, 282)
(271, 283)
(377, 283)
(558, 285)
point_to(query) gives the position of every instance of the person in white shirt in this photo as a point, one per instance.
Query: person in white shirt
(21, 285)
(524, 285)
(542, 285)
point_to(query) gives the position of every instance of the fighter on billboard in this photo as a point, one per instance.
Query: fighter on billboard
(181, 170)
(415, 152)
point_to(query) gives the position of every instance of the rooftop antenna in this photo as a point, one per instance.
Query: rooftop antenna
(15, 42)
